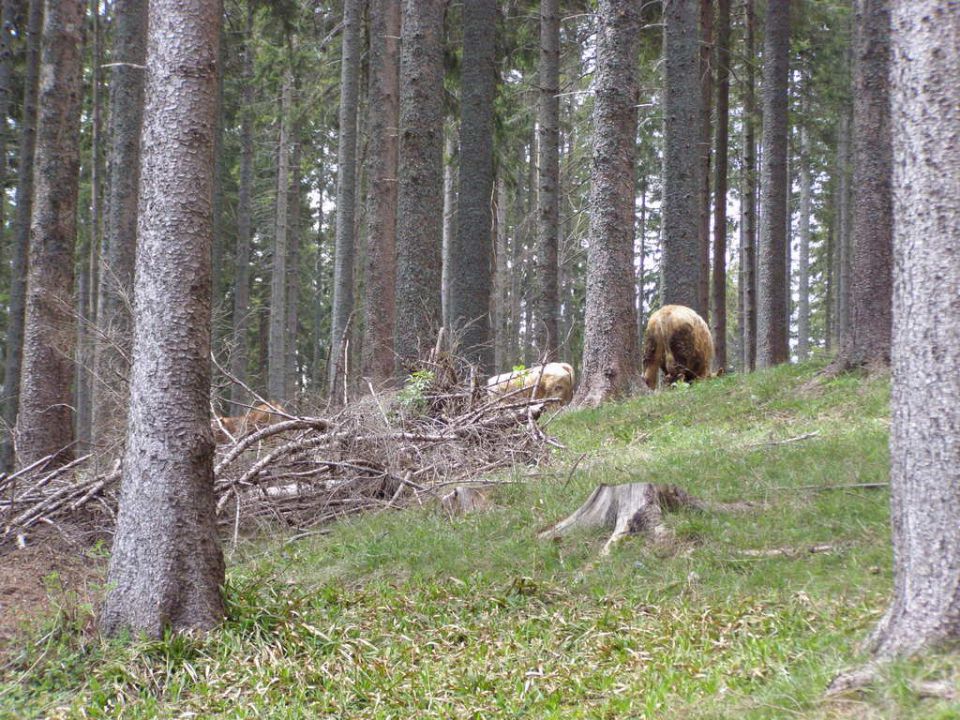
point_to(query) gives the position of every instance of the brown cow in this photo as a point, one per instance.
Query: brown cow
(550, 380)
(678, 342)
(228, 429)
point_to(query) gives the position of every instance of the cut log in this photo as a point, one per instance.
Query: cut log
(632, 509)
(463, 499)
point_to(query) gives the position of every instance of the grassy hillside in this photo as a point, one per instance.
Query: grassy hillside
(414, 615)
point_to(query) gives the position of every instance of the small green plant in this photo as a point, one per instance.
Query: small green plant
(519, 368)
(413, 394)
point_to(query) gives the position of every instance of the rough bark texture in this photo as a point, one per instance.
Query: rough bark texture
(610, 324)
(166, 568)
(748, 207)
(706, 135)
(925, 433)
(682, 166)
(844, 228)
(871, 271)
(548, 124)
(503, 274)
(719, 309)
(803, 270)
(384, 118)
(294, 232)
(344, 252)
(118, 253)
(772, 320)
(241, 280)
(472, 250)
(449, 217)
(277, 351)
(45, 420)
(13, 346)
(420, 191)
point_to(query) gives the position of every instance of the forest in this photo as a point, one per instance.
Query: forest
(312, 308)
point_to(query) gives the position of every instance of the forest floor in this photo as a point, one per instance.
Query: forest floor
(744, 614)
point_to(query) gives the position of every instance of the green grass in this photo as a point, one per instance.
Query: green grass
(412, 615)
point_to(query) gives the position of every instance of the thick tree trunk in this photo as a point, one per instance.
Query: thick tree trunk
(277, 351)
(719, 310)
(610, 323)
(45, 420)
(706, 135)
(682, 166)
(548, 124)
(772, 320)
(166, 569)
(925, 433)
(748, 207)
(384, 118)
(118, 253)
(241, 279)
(13, 345)
(870, 283)
(473, 243)
(420, 192)
(345, 253)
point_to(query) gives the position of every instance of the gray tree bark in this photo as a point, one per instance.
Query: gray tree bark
(548, 123)
(384, 118)
(344, 253)
(420, 190)
(294, 233)
(45, 420)
(803, 271)
(13, 345)
(503, 273)
(277, 349)
(610, 323)
(706, 135)
(844, 228)
(8, 21)
(118, 253)
(719, 310)
(870, 286)
(166, 568)
(449, 217)
(772, 320)
(925, 433)
(470, 271)
(748, 207)
(240, 352)
(682, 166)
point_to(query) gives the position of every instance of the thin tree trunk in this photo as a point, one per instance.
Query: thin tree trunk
(503, 278)
(277, 351)
(925, 432)
(449, 217)
(294, 232)
(641, 269)
(345, 252)
(548, 123)
(803, 271)
(772, 320)
(844, 229)
(8, 20)
(706, 135)
(166, 568)
(384, 119)
(420, 190)
(719, 313)
(45, 420)
(610, 348)
(240, 352)
(13, 346)
(682, 105)
(749, 203)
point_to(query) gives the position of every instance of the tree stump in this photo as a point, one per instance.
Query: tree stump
(629, 509)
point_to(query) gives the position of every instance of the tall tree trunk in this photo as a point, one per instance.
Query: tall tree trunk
(772, 346)
(118, 252)
(803, 271)
(682, 166)
(166, 568)
(870, 282)
(277, 351)
(706, 135)
(384, 119)
(449, 217)
(420, 190)
(719, 313)
(548, 123)
(473, 243)
(294, 233)
(642, 251)
(504, 271)
(829, 317)
(8, 20)
(844, 228)
(925, 433)
(13, 346)
(241, 279)
(749, 203)
(45, 420)
(343, 281)
(610, 349)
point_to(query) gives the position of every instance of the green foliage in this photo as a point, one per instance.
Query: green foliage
(412, 395)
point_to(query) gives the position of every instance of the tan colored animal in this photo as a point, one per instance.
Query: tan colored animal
(553, 380)
(228, 429)
(678, 342)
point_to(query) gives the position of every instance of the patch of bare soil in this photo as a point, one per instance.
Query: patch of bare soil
(49, 572)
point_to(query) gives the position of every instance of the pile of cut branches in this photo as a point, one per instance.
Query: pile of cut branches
(385, 450)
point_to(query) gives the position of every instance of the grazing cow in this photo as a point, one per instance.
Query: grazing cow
(553, 380)
(228, 429)
(678, 342)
